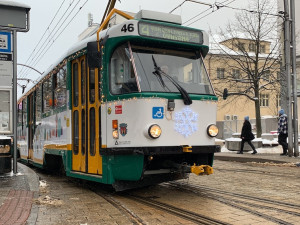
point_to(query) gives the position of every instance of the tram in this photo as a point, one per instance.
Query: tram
(131, 105)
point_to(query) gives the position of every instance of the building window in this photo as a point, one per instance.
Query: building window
(236, 74)
(264, 100)
(252, 47)
(241, 46)
(278, 75)
(262, 49)
(220, 73)
(266, 75)
(278, 101)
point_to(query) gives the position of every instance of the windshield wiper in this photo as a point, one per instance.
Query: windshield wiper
(158, 72)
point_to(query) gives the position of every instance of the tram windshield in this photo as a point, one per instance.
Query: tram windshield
(148, 69)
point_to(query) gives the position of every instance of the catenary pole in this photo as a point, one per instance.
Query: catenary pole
(294, 77)
(15, 100)
(287, 56)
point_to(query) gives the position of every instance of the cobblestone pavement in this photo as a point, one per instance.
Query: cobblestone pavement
(16, 194)
(63, 201)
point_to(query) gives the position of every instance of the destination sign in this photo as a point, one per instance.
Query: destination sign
(170, 33)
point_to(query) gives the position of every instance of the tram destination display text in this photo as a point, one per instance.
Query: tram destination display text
(170, 33)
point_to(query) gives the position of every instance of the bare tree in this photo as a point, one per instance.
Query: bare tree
(250, 47)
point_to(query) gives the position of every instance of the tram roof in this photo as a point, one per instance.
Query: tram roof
(79, 46)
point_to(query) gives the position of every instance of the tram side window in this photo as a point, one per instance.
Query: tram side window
(38, 105)
(83, 132)
(20, 114)
(92, 132)
(54, 87)
(60, 90)
(75, 84)
(47, 95)
(122, 74)
(24, 109)
(76, 132)
(92, 85)
(83, 80)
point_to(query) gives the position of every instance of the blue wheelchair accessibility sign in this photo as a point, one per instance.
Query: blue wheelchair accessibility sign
(158, 112)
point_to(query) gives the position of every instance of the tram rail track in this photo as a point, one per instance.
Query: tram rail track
(179, 212)
(235, 202)
(267, 173)
(148, 201)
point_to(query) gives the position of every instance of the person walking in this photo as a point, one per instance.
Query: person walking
(283, 131)
(247, 136)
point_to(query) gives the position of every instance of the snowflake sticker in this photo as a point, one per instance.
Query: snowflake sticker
(186, 122)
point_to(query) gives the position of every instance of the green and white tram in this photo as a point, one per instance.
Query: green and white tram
(131, 105)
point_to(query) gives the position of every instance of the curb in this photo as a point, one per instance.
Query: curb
(33, 182)
(246, 159)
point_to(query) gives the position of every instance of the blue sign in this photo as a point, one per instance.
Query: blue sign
(5, 42)
(158, 112)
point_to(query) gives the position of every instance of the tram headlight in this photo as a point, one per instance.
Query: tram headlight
(154, 131)
(115, 134)
(212, 130)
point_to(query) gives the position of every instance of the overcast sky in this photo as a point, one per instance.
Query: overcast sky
(42, 12)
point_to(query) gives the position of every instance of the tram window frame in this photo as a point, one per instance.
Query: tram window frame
(60, 91)
(83, 133)
(83, 81)
(92, 131)
(92, 85)
(47, 96)
(38, 104)
(24, 109)
(20, 114)
(75, 84)
(76, 132)
(54, 86)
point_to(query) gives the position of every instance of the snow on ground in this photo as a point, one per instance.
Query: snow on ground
(266, 149)
(269, 146)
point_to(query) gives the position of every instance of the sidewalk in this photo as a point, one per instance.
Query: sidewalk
(18, 192)
(259, 158)
(16, 196)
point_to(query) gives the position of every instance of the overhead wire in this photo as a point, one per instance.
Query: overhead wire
(38, 58)
(43, 46)
(42, 36)
(178, 6)
(62, 31)
(217, 8)
(247, 10)
(60, 23)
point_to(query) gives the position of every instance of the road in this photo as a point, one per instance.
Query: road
(237, 193)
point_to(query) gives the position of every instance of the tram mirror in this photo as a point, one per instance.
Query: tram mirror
(93, 55)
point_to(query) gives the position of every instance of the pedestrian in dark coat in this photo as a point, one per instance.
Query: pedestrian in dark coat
(247, 136)
(283, 131)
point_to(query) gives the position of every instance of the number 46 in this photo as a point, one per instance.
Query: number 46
(129, 28)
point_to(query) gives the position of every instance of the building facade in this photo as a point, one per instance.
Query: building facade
(230, 68)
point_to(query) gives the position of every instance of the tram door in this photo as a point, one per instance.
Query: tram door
(30, 125)
(85, 123)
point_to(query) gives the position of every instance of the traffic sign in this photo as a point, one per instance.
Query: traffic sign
(5, 42)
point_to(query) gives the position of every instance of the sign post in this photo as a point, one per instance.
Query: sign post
(14, 17)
